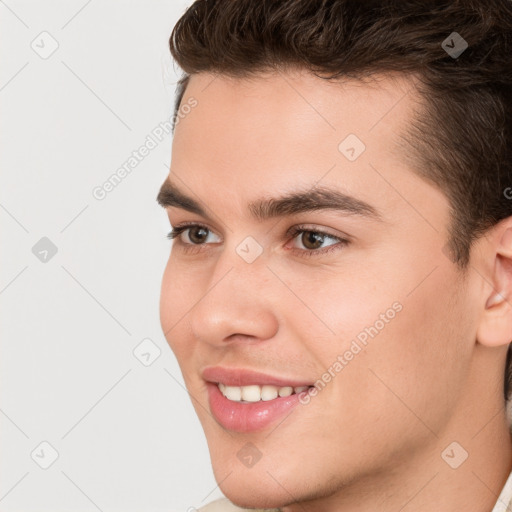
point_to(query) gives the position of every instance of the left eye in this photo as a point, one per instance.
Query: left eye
(311, 239)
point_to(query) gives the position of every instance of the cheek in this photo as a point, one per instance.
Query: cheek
(167, 300)
(423, 352)
(174, 305)
(401, 349)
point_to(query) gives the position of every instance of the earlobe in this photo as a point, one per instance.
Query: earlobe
(495, 326)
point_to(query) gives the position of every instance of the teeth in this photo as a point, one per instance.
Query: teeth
(255, 393)
(251, 393)
(286, 391)
(233, 393)
(269, 393)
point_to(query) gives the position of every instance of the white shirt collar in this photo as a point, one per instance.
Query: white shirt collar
(504, 503)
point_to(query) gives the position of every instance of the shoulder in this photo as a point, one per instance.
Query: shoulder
(224, 505)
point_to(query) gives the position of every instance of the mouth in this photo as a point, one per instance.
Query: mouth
(255, 392)
(248, 401)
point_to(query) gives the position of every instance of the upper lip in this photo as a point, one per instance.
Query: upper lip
(246, 377)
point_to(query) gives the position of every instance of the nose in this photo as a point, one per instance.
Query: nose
(236, 306)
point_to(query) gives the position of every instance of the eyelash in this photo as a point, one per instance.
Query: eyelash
(292, 232)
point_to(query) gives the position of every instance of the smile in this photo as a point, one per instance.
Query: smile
(247, 400)
(255, 393)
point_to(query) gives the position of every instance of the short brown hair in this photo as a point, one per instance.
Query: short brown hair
(463, 141)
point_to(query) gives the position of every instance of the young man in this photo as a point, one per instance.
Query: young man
(339, 290)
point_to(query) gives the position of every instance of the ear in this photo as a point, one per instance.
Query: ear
(495, 327)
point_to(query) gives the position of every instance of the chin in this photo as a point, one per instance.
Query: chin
(263, 486)
(254, 494)
(263, 492)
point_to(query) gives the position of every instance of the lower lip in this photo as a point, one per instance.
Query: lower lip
(248, 417)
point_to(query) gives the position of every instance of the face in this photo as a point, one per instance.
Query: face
(360, 304)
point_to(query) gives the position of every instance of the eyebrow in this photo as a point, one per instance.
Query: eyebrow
(313, 199)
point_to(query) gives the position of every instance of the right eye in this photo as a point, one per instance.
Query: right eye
(197, 231)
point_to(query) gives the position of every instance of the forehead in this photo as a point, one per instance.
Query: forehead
(287, 116)
(249, 136)
(293, 95)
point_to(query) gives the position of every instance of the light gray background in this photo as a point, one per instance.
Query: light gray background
(126, 434)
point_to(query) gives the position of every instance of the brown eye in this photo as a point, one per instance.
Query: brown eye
(311, 242)
(312, 239)
(198, 234)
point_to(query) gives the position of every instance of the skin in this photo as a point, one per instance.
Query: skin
(373, 439)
